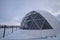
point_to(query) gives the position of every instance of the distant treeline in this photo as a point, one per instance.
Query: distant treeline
(8, 26)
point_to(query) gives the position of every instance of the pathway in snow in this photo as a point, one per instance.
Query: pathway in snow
(22, 35)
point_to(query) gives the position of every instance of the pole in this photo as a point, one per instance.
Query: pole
(4, 31)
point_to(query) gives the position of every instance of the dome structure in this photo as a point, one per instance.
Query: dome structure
(42, 22)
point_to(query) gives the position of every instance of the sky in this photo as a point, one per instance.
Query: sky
(13, 11)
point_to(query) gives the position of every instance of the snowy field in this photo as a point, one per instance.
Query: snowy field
(24, 35)
(8, 31)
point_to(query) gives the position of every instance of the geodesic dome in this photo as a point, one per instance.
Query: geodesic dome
(41, 22)
(34, 20)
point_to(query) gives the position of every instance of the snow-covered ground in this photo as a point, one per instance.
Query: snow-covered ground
(8, 31)
(1, 33)
(24, 35)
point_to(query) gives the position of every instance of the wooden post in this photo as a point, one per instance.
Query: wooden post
(12, 29)
(16, 28)
(4, 31)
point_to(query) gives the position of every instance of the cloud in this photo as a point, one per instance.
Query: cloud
(55, 5)
(15, 10)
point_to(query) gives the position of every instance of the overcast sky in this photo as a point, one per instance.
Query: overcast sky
(12, 11)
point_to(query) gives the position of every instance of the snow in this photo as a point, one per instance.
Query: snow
(24, 35)
(8, 31)
(1, 32)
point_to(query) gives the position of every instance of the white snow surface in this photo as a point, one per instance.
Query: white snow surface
(24, 35)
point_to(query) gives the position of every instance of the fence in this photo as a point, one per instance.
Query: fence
(12, 29)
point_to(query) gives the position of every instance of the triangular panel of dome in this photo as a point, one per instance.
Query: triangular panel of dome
(33, 15)
(29, 18)
(29, 23)
(39, 23)
(46, 26)
(39, 16)
(33, 26)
